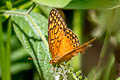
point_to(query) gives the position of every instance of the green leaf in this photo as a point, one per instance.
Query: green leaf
(31, 40)
(53, 3)
(92, 73)
(92, 4)
(108, 68)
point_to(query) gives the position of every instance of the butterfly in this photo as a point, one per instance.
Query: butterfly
(63, 43)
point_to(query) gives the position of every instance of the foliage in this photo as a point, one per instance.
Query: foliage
(23, 34)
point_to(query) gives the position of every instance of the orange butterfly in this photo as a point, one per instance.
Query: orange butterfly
(63, 43)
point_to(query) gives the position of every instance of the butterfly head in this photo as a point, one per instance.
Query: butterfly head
(53, 61)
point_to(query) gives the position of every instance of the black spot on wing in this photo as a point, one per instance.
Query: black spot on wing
(73, 38)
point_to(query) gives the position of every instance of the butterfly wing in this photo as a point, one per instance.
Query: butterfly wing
(73, 51)
(56, 27)
(67, 47)
(63, 43)
(69, 42)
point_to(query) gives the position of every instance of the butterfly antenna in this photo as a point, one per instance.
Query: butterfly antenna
(89, 42)
(86, 45)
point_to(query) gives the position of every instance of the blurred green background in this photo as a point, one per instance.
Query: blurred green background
(24, 35)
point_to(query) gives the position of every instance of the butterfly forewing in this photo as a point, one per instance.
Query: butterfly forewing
(56, 27)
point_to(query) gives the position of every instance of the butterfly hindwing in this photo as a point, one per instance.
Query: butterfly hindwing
(69, 41)
(68, 44)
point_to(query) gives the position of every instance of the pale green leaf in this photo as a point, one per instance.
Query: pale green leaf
(30, 39)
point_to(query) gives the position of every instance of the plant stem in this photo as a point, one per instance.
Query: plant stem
(110, 64)
(8, 45)
(8, 49)
(106, 41)
(38, 31)
(2, 53)
(77, 28)
(31, 8)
